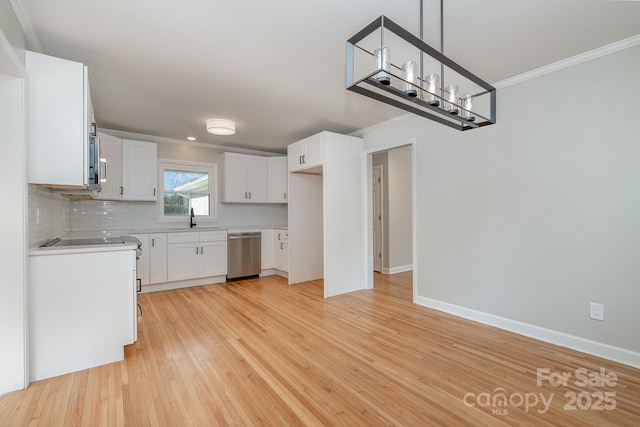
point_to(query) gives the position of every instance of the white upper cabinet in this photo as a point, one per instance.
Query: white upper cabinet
(110, 167)
(305, 154)
(139, 167)
(278, 181)
(59, 116)
(245, 178)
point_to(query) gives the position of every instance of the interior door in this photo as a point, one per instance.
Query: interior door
(377, 217)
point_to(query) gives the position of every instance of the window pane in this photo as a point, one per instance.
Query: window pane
(181, 203)
(184, 190)
(187, 181)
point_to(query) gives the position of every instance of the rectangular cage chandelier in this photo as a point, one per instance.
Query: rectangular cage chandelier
(455, 97)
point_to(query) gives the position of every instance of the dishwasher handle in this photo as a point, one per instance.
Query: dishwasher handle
(243, 236)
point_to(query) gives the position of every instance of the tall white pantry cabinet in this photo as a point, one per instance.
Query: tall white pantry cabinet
(326, 207)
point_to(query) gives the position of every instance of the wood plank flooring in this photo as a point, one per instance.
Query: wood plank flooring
(261, 352)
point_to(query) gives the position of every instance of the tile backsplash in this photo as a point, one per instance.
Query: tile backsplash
(92, 215)
(48, 215)
(52, 215)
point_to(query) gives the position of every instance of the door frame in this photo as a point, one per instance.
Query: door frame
(382, 240)
(368, 209)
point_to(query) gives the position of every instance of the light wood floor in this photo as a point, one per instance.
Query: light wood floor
(260, 352)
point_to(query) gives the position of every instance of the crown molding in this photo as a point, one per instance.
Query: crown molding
(570, 62)
(29, 32)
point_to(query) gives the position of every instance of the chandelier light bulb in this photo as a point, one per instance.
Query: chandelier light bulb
(468, 106)
(433, 87)
(382, 58)
(452, 99)
(410, 69)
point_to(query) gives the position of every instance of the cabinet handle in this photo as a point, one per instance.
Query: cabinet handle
(285, 195)
(153, 242)
(245, 194)
(249, 194)
(279, 236)
(154, 191)
(303, 158)
(299, 160)
(138, 285)
(103, 170)
(121, 190)
(201, 250)
(196, 250)
(281, 247)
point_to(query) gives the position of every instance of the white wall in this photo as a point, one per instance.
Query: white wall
(537, 216)
(13, 258)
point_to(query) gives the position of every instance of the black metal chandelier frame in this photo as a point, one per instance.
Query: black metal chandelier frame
(391, 95)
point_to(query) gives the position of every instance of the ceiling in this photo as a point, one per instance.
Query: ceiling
(277, 67)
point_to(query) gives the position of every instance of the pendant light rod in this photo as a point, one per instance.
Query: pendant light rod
(421, 52)
(442, 86)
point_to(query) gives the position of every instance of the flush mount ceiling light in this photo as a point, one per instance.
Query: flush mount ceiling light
(221, 127)
(413, 84)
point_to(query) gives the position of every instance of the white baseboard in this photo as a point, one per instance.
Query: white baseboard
(394, 270)
(274, 272)
(182, 284)
(616, 354)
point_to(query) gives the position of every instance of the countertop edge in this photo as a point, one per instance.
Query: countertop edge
(62, 250)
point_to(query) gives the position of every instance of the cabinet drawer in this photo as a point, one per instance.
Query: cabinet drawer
(182, 237)
(213, 236)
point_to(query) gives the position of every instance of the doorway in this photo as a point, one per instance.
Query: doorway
(390, 210)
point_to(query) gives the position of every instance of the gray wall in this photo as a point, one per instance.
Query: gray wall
(534, 218)
(399, 199)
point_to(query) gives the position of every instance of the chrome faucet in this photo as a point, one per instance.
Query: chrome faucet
(192, 223)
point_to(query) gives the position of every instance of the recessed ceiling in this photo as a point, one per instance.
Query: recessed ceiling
(277, 67)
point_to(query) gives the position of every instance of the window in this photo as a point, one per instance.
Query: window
(186, 186)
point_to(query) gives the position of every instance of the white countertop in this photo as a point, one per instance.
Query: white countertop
(101, 233)
(116, 233)
(61, 250)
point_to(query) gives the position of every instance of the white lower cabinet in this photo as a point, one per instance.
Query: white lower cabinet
(281, 250)
(82, 309)
(152, 266)
(192, 255)
(275, 251)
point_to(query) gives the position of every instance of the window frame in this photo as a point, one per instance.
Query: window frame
(188, 166)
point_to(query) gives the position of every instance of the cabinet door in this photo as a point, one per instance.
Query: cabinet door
(281, 250)
(284, 256)
(139, 163)
(110, 167)
(142, 263)
(157, 271)
(57, 117)
(277, 181)
(295, 153)
(212, 259)
(182, 261)
(267, 249)
(235, 178)
(257, 179)
(313, 152)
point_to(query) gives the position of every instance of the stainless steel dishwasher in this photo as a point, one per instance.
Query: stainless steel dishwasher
(243, 254)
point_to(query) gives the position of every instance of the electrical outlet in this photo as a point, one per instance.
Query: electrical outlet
(596, 311)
